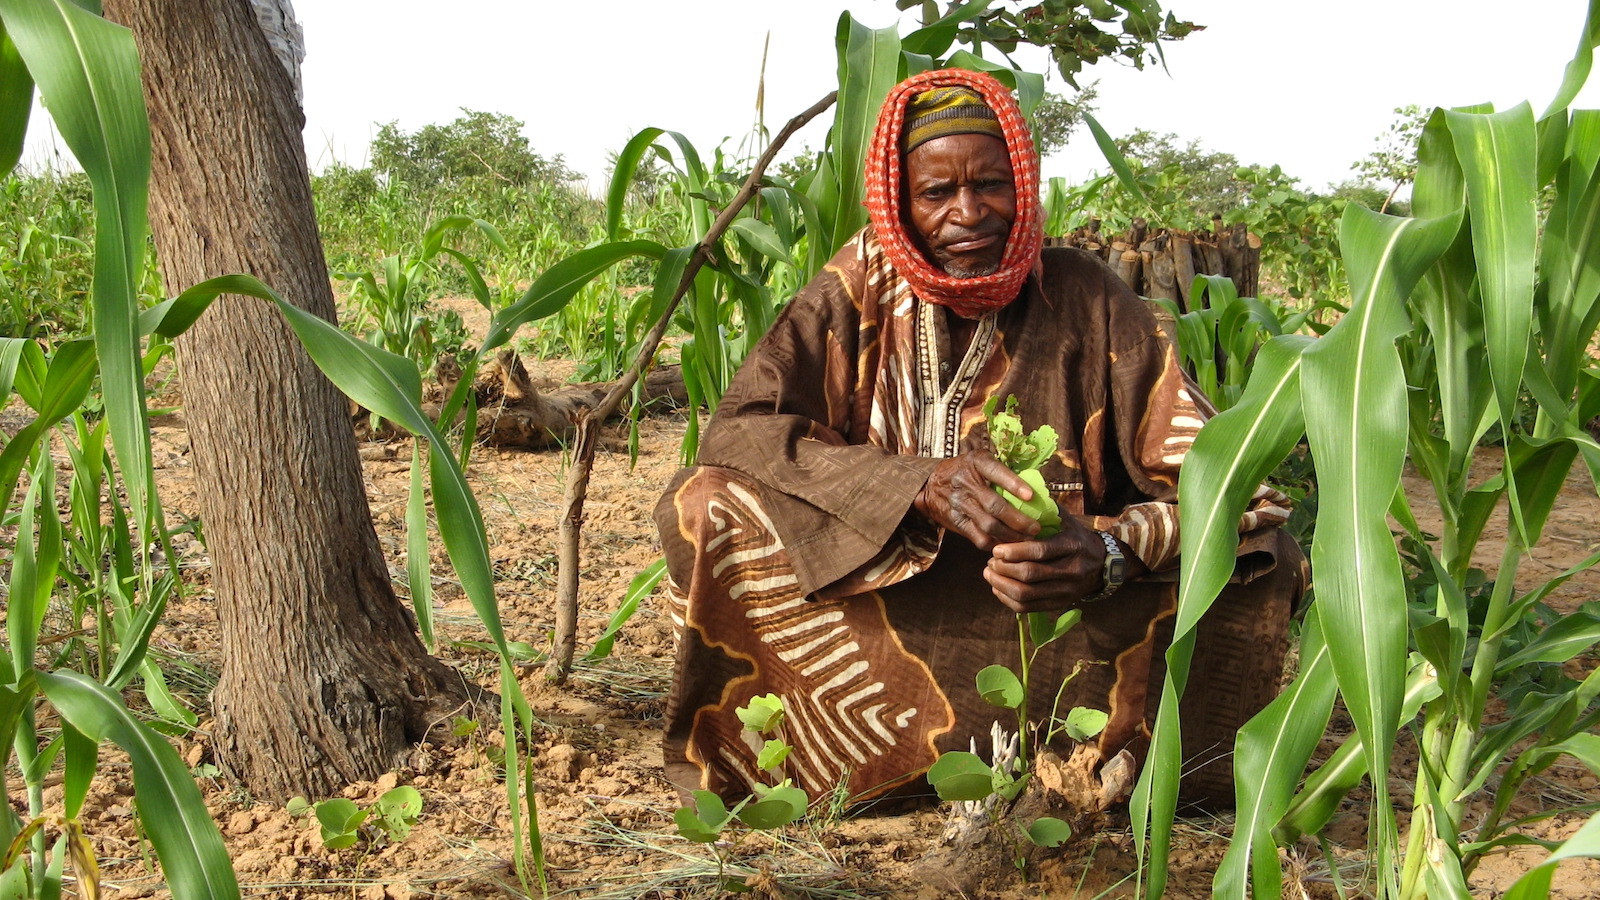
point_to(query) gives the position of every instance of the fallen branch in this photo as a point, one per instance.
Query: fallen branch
(587, 423)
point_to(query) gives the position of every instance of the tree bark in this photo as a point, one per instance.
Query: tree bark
(323, 680)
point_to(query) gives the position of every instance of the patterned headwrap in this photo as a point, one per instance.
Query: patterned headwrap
(967, 297)
(945, 111)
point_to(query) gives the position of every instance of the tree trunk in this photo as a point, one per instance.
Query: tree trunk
(323, 680)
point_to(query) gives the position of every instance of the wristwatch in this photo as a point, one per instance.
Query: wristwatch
(1115, 571)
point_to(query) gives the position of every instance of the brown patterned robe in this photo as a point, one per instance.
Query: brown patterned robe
(798, 567)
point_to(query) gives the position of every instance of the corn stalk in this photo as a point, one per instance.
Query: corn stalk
(1403, 375)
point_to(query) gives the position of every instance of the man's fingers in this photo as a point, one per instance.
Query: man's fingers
(999, 475)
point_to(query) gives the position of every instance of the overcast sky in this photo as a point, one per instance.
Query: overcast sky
(1304, 84)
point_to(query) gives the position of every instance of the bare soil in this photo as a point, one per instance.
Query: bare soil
(605, 810)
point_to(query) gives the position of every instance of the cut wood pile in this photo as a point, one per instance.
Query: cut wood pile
(1162, 262)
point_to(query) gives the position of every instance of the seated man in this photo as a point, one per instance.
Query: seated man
(841, 543)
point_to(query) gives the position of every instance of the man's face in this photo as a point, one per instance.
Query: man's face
(961, 201)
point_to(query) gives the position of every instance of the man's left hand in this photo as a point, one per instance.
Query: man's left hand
(1053, 573)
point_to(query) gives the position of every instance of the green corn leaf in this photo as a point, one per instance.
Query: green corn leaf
(1230, 456)
(936, 37)
(87, 71)
(1564, 639)
(1118, 162)
(82, 757)
(193, 859)
(419, 567)
(1326, 788)
(1535, 884)
(1577, 72)
(1497, 156)
(622, 178)
(1572, 276)
(33, 567)
(556, 287)
(1538, 469)
(1270, 754)
(16, 103)
(869, 66)
(642, 586)
(390, 386)
(1353, 388)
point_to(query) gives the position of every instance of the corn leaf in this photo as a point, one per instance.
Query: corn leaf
(419, 567)
(16, 102)
(869, 66)
(1325, 789)
(171, 809)
(88, 75)
(556, 287)
(1269, 756)
(1497, 156)
(642, 586)
(1577, 72)
(1353, 389)
(1119, 163)
(1535, 884)
(622, 178)
(1230, 456)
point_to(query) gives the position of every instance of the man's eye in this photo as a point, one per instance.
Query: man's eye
(938, 193)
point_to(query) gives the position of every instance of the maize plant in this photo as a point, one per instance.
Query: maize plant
(1500, 265)
(88, 73)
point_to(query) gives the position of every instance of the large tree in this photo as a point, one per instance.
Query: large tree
(323, 678)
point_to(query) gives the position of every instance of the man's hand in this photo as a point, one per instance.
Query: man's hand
(1035, 576)
(960, 495)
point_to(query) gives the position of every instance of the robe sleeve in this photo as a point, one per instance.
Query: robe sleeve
(1156, 411)
(787, 422)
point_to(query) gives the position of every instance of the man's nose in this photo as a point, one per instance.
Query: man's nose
(967, 208)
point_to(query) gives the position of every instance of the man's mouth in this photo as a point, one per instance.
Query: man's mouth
(972, 244)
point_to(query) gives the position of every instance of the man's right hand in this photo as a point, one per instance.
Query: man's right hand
(960, 495)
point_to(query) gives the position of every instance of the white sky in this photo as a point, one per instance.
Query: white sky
(1302, 83)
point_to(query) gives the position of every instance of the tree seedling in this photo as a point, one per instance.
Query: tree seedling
(768, 808)
(390, 817)
(964, 776)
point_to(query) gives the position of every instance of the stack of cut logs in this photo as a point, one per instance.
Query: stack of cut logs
(1162, 263)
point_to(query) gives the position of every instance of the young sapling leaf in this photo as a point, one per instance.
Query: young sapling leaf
(1000, 687)
(1083, 723)
(775, 806)
(702, 823)
(1048, 831)
(772, 755)
(398, 809)
(762, 714)
(959, 775)
(340, 819)
(1044, 628)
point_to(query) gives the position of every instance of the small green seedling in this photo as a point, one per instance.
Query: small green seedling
(392, 815)
(960, 776)
(769, 807)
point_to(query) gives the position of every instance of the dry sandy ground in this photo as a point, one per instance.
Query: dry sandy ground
(606, 813)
